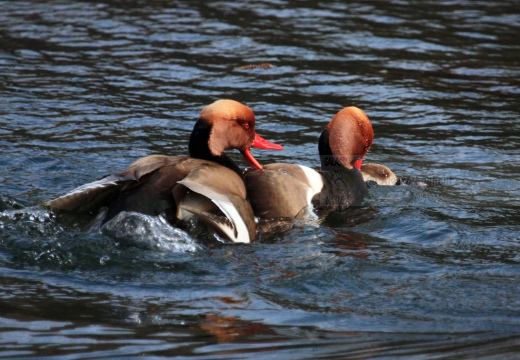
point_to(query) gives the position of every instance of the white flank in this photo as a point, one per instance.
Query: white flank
(315, 181)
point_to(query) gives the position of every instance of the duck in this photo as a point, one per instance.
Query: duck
(379, 174)
(283, 190)
(207, 184)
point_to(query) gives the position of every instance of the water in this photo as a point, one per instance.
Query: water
(88, 87)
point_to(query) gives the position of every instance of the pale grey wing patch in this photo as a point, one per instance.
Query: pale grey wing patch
(239, 231)
(221, 223)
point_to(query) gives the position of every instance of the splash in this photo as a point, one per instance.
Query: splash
(149, 232)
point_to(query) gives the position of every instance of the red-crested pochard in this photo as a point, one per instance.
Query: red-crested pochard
(208, 184)
(291, 191)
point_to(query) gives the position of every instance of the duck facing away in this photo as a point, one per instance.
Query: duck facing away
(206, 184)
(289, 191)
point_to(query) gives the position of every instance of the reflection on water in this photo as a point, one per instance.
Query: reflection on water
(88, 87)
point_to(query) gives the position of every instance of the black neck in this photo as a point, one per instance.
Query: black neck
(199, 147)
(328, 161)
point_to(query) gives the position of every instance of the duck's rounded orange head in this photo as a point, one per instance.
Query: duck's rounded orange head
(347, 138)
(232, 126)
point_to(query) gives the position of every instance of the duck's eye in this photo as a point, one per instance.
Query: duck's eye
(247, 126)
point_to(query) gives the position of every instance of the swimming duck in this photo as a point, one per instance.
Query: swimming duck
(283, 190)
(206, 184)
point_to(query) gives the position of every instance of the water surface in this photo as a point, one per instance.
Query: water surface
(88, 87)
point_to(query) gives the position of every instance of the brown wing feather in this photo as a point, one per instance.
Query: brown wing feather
(99, 193)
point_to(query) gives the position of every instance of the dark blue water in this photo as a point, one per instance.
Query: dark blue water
(88, 87)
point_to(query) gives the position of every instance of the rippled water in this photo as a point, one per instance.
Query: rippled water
(88, 87)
